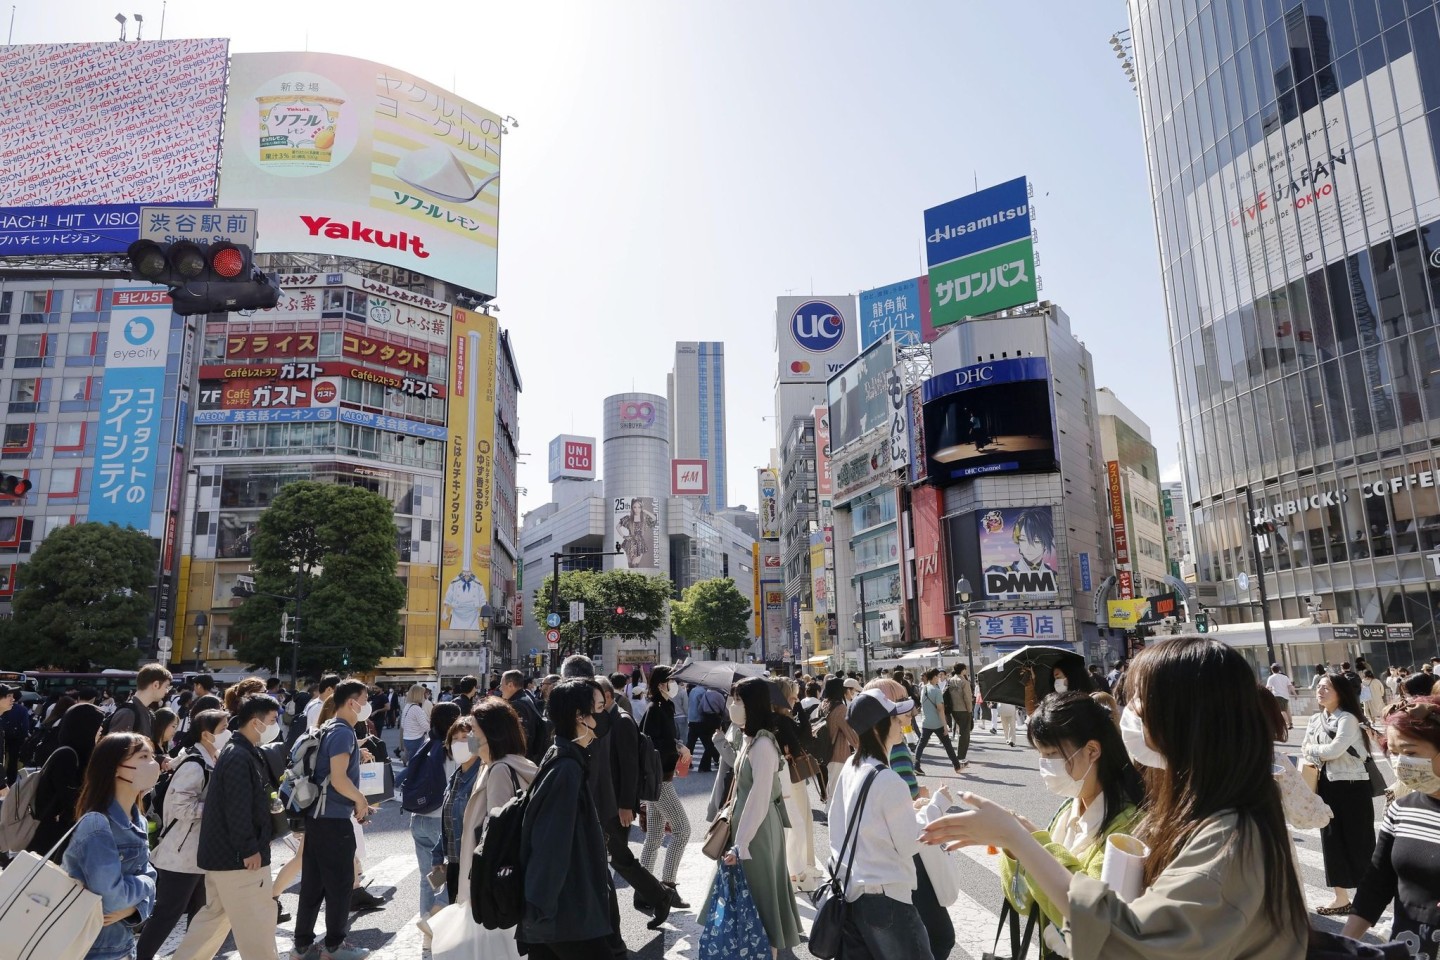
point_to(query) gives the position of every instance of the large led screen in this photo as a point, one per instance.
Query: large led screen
(991, 417)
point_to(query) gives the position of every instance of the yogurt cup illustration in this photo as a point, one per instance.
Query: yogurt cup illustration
(298, 130)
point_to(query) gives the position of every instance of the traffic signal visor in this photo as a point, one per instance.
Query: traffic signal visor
(13, 486)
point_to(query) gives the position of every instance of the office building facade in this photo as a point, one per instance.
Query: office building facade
(697, 408)
(1292, 159)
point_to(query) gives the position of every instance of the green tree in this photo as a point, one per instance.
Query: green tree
(83, 599)
(332, 546)
(713, 615)
(643, 600)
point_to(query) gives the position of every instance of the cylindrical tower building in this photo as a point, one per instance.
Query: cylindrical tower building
(637, 482)
(1292, 158)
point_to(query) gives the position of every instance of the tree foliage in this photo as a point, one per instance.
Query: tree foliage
(83, 600)
(333, 546)
(644, 600)
(713, 615)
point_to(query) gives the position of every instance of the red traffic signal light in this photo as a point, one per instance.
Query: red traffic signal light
(619, 611)
(13, 486)
(204, 278)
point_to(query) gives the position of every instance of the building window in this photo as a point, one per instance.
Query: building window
(25, 391)
(29, 350)
(34, 305)
(19, 437)
(70, 437)
(64, 483)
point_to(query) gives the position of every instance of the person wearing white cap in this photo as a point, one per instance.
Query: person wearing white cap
(874, 838)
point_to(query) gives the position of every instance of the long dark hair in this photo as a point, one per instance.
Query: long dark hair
(658, 678)
(442, 715)
(98, 790)
(1068, 721)
(1219, 756)
(754, 692)
(872, 743)
(1274, 716)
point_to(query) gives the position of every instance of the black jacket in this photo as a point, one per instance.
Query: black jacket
(568, 891)
(624, 759)
(236, 823)
(55, 798)
(659, 725)
(532, 724)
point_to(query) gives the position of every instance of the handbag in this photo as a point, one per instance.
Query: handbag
(682, 765)
(829, 897)
(1019, 945)
(717, 835)
(377, 781)
(454, 935)
(44, 912)
(730, 923)
(802, 767)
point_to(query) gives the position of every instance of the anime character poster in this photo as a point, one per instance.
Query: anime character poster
(635, 523)
(1017, 553)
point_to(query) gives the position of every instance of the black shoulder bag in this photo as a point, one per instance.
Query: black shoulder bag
(1019, 945)
(829, 898)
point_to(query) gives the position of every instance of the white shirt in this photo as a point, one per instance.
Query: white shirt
(1280, 685)
(414, 722)
(764, 762)
(887, 835)
(312, 712)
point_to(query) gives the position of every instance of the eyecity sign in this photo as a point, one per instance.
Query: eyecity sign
(1279, 509)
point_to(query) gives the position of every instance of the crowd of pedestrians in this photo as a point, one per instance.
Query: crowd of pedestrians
(168, 808)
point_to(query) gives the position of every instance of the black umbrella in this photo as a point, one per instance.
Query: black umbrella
(1004, 680)
(716, 674)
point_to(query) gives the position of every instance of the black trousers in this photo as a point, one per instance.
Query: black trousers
(327, 873)
(963, 724)
(622, 859)
(176, 895)
(939, 734)
(1348, 840)
(702, 730)
(452, 881)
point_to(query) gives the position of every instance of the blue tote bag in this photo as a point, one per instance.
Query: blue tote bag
(732, 927)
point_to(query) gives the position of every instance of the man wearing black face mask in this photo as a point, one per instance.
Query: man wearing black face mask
(624, 746)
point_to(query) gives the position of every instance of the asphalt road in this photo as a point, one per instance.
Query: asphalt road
(1005, 774)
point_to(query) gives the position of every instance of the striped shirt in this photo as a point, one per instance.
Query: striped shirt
(903, 763)
(1406, 866)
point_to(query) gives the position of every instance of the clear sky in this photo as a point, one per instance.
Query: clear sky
(678, 164)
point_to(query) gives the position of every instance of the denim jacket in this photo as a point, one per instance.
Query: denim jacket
(109, 853)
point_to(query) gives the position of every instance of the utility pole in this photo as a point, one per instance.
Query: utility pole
(864, 637)
(1256, 529)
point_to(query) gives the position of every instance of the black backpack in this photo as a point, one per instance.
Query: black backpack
(128, 706)
(40, 744)
(820, 744)
(497, 873)
(650, 769)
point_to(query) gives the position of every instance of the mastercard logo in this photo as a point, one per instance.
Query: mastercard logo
(800, 366)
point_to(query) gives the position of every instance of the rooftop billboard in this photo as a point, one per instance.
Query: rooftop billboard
(992, 417)
(353, 158)
(856, 395)
(980, 253)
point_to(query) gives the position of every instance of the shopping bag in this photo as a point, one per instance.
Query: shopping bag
(730, 922)
(377, 781)
(45, 914)
(456, 936)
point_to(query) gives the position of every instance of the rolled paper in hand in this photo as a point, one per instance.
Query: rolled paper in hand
(1123, 869)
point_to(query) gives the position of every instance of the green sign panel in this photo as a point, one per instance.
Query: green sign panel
(984, 282)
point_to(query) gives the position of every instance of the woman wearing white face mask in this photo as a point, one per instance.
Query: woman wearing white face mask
(659, 725)
(1083, 760)
(1402, 869)
(108, 852)
(180, 883)
(757, 818)
(1220, 878)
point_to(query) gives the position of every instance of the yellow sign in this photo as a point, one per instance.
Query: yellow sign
(1125, 614)
(469, 522)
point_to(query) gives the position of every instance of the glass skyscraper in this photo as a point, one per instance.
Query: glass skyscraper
(697, 402)
(1292, 157)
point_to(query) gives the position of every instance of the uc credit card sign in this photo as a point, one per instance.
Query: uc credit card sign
(122, 486)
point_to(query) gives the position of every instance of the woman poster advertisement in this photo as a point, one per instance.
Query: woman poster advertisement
(635, 525)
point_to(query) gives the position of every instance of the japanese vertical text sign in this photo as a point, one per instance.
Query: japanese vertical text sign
(122, 485)
(353, 158)
(980, 253)
(468, 523)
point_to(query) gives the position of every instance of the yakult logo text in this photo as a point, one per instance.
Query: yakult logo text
(358, 232)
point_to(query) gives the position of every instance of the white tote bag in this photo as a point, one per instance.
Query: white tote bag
(45, 914)
(458, 937)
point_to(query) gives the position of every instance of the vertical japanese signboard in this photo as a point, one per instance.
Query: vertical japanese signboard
(468, 525)
(769, 504)
(930, 590)
(1118, 530)
(123, 483)
(757, 598)
(824, 479)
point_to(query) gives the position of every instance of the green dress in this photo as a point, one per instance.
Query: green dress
(765, 871)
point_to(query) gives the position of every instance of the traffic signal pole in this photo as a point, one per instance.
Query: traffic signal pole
(1259, 573)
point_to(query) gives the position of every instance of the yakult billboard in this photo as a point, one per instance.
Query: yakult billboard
(353, 158)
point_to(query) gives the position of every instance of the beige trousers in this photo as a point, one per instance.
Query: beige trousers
(238, 900)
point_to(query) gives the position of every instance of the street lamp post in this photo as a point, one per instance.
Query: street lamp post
(962, 602)
(863, 634)
(1255, 531)
(202, 620)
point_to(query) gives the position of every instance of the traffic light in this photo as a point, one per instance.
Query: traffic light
(1202, 622)
(13, 486)
(345, 657)
(204, 278)
(619, 611)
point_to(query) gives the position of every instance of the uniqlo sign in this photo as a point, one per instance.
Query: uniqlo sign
(572, 458)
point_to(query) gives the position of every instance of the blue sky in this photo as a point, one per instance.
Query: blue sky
(679, 164)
